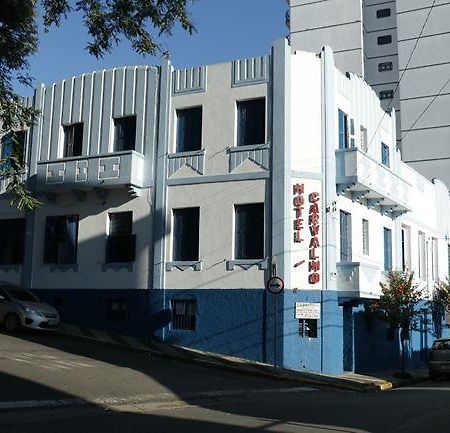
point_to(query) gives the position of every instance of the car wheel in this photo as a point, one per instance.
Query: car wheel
(12, 322)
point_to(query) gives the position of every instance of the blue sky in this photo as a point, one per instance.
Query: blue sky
(227, 29)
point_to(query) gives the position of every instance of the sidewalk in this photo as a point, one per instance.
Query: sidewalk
(356, 382)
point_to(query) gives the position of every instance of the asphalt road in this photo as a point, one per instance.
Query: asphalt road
(53, 384)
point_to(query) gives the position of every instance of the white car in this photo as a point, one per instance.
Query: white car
(19, 308)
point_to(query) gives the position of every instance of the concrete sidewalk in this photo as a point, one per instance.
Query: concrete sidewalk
(355, 382)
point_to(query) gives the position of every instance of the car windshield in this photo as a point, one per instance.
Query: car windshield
(22, 295)
(441, 345)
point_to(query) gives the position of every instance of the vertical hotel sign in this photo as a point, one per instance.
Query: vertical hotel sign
(306, 241)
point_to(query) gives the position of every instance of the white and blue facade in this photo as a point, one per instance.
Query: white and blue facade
(234, 169)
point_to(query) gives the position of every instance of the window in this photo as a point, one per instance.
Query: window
(346, 236)
(251, 122)
(116, 310)
(120, 243)
(422, 256)
(343, 130)
(434, 258)
(385, 66)
(125, 133)
(184, 312)
(12, 240)
(307, 328)
(249, 231)
(189, 129)
(364, 143)
(384, 40)
(61, 237)
(365, 235)
(406, 248)
(385, 160)
(186, 234)
(73, 140)
(383, 13)
(386, 94)
(14, 144)
(387, 238)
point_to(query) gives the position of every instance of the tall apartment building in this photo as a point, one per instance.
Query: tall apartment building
(169, 195)
(376, 39)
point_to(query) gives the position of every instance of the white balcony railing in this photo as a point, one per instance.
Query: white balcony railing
(359, 279)
(366, 180)
(98, 171)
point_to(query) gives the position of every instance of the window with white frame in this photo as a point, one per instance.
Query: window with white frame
(435, 259)
(387, 241)
(363, 139)
(249, 231)
(365, 236)
(120, 243)
(406, 248)
(385, 159)
(125, 133)
(61, 239)
(73, 139)
(422, 255)
(344, 136)
(189, 129)
(345, 236)
(186, 234)
(251, 122)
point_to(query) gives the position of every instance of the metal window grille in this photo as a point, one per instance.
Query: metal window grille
(307, 328)
(386, 94)
(116, 310)
(184, 314)
(346, 236)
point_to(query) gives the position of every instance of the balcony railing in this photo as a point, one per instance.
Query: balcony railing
(366, 180)
(361, 280)
(99, 171)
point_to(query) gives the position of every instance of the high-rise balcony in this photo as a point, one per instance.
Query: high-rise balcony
(363, 179)
(100, 172)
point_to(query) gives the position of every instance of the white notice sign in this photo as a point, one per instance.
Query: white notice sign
(307, 310)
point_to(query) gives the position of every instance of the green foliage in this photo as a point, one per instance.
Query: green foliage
(398, 300)
(106, 21)
(441, 295)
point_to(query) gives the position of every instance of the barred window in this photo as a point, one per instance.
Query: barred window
(307, 328)
(184, 312)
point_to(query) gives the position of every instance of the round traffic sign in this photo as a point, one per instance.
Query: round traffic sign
(275, 285)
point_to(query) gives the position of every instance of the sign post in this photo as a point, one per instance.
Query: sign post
(275, 286)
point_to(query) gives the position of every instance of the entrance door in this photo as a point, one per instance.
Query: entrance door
(348, 330)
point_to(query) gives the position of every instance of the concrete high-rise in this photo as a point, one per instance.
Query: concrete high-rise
(398, 43)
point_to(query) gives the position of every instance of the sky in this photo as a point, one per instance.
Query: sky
(226, 30)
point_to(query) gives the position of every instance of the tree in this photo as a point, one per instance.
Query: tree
(106, 21)
(397, 305)
(440, 303)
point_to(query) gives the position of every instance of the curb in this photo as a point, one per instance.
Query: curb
(195, 356)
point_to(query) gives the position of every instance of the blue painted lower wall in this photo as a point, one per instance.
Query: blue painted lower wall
(241, 322)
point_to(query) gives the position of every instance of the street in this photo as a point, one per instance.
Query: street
(53, 384)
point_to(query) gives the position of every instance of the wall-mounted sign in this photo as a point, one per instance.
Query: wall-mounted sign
(314, 244)
(275, 285)
(307, 310)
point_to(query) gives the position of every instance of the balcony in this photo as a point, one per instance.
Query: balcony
(360, 280)
(99, 172)
(365, 180)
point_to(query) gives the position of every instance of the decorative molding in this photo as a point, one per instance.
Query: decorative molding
(56, 172)
(247, 264)
(109, 168)
(118, 266)
(189, 80)
(196, 265)
(259, 154)
(194, 159)
(254, 70)
(63, 268)
(232, 177)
